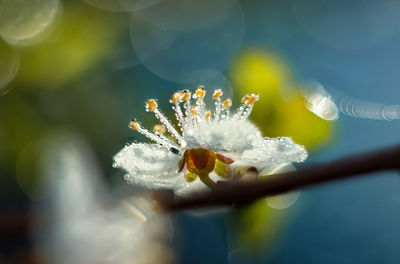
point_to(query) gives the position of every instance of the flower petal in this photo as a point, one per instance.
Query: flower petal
(223, 170)
(224, 159)
(224, 136)
(190, 176)
(272, 151)
(149, 165)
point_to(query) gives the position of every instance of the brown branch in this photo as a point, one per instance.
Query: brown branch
(239, 193)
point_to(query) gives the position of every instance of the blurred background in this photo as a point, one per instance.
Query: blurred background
(74, 72)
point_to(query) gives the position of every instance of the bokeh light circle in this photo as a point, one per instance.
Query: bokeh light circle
(182, 41)
(28, 169)
(22, 20)
(9, 65)
(349, 25)
(285, 200)
(121, 5)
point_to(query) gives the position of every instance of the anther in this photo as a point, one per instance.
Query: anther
(208, 115)
(226, 104)
(217, 94)
(151, 105)
(249, 99)
(185, 95)
(176, 98)
(200, 92)
(160, 129)
(134, 125)
(194, 111)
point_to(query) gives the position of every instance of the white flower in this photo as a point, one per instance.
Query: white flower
(210, 145)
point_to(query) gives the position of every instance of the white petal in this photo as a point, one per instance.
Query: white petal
(224, 136)
(149, 165)
(183, 188)
(272, 151)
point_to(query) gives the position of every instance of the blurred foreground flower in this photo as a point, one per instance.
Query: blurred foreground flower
(211, 145)
(87, 224)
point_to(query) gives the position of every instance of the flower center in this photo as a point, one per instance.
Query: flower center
(200, 162)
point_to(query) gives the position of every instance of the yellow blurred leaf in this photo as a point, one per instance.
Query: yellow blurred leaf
(281, 110)
(256, 227)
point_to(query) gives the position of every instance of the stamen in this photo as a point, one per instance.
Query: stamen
(200, 92)
(134, 125)
(199, 96)
(151, 105)
(226, 105)
(248, 101)
(176, 99)
(160, 129)
(217, 94)
(217, 97)
(194, 111)
(207, 116)
(195, 114)
(186, 97)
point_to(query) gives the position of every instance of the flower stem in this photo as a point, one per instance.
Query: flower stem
(244, 192)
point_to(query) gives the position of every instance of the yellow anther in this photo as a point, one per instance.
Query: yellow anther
(208, 115)
(217, 93)
(160, 129)
(151, 105)
(226, 104)
(249, 99)
(200, 92)
(134, 125)
(176, 98)
(194, 111)
(185, 95)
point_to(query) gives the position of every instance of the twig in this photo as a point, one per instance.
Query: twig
(237, 193)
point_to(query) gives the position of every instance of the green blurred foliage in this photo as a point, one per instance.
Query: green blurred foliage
(82, 38)
(61, 85)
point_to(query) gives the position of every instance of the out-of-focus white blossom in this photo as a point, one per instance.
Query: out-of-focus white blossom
(209, 146)
(88, 224)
